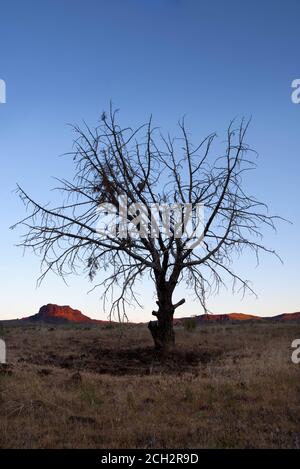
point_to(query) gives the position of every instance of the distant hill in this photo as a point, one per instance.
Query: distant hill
(55, 314)
(238, 317)
(285, 317)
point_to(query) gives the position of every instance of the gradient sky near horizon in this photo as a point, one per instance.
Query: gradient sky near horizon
(63, 60)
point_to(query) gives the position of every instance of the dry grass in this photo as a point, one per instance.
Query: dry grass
(226, 386)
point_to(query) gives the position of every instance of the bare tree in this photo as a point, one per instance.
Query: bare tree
(150, 170)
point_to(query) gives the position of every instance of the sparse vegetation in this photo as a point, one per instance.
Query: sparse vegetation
(190, 324)
(225, 386)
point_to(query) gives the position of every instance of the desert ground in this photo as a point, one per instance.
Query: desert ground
(225, 386)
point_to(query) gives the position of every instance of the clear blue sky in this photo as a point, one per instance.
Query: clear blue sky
(63, 60)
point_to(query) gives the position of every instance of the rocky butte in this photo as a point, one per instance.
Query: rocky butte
(61, 314)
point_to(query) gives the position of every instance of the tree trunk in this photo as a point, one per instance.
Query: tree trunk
(162, 330)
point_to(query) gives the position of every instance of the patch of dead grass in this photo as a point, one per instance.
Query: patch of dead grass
(225, 386)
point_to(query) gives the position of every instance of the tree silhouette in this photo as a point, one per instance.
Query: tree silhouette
(150, 170)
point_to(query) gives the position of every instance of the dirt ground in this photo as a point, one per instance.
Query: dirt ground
(224, 386)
